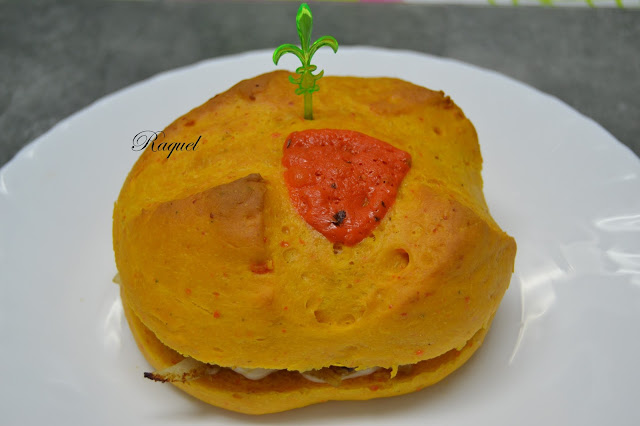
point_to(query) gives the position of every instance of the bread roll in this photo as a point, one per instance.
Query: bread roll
(217, 264)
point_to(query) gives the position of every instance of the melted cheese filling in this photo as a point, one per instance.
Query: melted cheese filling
(261, 373)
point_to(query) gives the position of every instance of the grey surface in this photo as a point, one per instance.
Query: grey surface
(58, 57)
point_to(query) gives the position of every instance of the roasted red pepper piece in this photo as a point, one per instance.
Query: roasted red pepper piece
(342, 182)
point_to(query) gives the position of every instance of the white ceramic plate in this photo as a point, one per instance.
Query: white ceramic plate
(564, 346)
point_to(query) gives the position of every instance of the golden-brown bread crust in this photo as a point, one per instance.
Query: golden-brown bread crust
(431, 275)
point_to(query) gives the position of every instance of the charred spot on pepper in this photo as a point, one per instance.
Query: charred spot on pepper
(339, 217)
(288, 142)
(333, 185)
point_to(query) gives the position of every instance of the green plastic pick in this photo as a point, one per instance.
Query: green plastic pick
(307, 80)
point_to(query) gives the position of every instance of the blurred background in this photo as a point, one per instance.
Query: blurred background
(57, 57)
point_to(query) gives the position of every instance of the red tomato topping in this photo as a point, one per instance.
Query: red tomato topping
(342, 182)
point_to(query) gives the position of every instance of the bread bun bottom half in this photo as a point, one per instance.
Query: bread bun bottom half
(285, 390)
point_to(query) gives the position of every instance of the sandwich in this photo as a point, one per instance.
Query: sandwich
(285, 262)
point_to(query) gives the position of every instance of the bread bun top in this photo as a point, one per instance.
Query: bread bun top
(216, 261)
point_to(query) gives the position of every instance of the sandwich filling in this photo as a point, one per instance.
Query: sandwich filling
(190, 369)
